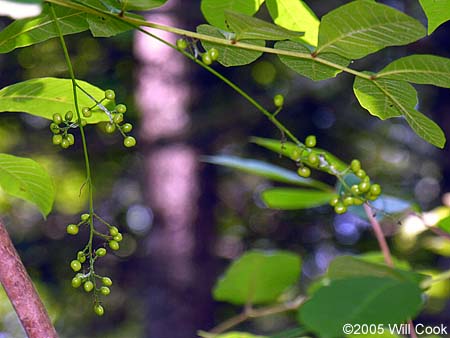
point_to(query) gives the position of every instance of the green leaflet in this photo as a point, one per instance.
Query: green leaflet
(228, 55)
(359, 300)
(362, 27)
(293, 198)
(143, 5)
(45, 96)
(297, 16)
(214, 10)
(422, 69)
(26, 179)
(437, 12)
(27, 32)
(389, 98)
(247, 27)
(258, 277)
(311, 68)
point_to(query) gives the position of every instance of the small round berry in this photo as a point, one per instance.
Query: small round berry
(182, 44)
(57, 139)
(100, 252)
(310, 141)
(364, 186)
(206, 58)
(85, 217)
(118, 237)
(88, 286)
(109, 94)
(83, 123)
(113, 231)
(278, 100)
(75, 265)
(355, 165)
(81, 256)
(70, 138)
(86, 112)
(355, 189)
(72, 229)
(121, 108)
(104, 290)
(114, 245)
(296, 154)
(348, 201)
(358, 201)
(68, 116)
(304, 172)
(213, 54)
(57, 118)
(129, 141)
(76, 282)
(335, 200)
(361, 173)
(340, 208)
(65, 143)
(99, 310)
(110, 128)
(375, 189)
(54, 128)
(313, 159)
(118, 118)
(107, 281)
(127, 127)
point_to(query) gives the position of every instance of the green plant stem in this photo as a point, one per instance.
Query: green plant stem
(439, 278)
(83, 136)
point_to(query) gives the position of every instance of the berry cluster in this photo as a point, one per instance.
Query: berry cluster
(208, 57)
(356, 194)
(88, 278)
(312, 159)
(60, 128)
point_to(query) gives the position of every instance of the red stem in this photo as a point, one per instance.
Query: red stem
(21, 292)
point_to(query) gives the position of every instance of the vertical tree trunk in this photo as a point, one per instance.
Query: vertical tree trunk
(21, 292)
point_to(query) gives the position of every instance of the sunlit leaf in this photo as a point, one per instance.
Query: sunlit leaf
(26, 179)
(311, 67)
(437, 11)
(258, 277)
(249, 28)
(444, 224)
(46, 96)
(143, 5)
(362, 27)
(297, 16)
(292, 198)
(214, 10)
(228, 55)
(360, 300)
(422, 69)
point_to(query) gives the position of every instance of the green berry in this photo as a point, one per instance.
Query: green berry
(109, 94)
(118, 237)
(340, 208)
(182, 44)
(358, 201)
(310, 141)
(85, 217)
(348, 201)
(81, 256)
(313, 159)
(57, 139)
(54, 128)
(70, 138)
(206, 58)
(355, 189)
(57, 118)
(100, 252)
(304, 172)
(355, 165)
(114, 245)
(110, 128)
(361, 173)
(113, 231)
(65, 143)
(213, 54)
(296, 154)
(129, 141)
(118, 118)
(335, 200)
(75, 265)
(375, 189)
(86, 112)
(278, 100)
(76, 282)
(99, 310)
(72, 229)
(364, 186)
(104, 290)
(83, 123)
(107, 281)
(121, 108)
(88, 286)
(69, 116)
(127, 127)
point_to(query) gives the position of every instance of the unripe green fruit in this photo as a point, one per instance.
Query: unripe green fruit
(72, 229)
(118, 237)
(348, 201)
(375, 189)
(75, 265)
(206, 58)
(99, 310)
(54, 128)
(104, 290)
(113, 231)
(69, 116)
(355, 189)
(57, 139)
(114, 245)
(85, 217)
(313, 159)
(214, 54)
(129, 141)
(364, 186)
(358, 201)
(340, 208)
(278, 100)
(110, 128)
(81, 256)
(57, 118)
(86, 112)
(121, 108)
(83, 123)
(127, 127)
(355, 165)
(361, 173)
(310, 141)
(304, 172)
(76, 282)
(65, 143)
(182, 44)
(335, 200)
(100, 252)
(70, 138)
(118, 118)
(296, 154)
(107, 281)
(88, 286)
(110, 94)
